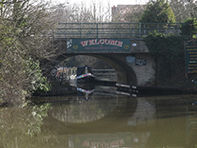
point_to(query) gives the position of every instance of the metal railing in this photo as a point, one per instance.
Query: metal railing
(113, 30)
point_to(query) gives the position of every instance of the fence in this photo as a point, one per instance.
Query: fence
(113, 30)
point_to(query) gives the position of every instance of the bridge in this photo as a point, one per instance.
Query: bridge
(121, 45)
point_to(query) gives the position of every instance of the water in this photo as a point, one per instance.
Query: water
(102, 119)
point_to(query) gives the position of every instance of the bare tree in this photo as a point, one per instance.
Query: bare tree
(24, 37)
(184, 9)
(95, 11)
(127, 13)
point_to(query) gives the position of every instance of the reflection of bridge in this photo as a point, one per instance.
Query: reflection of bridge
(138, 122)
(114, 126)
(119, 44)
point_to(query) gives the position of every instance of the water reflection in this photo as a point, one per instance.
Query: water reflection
(83, 111)
(144, 113)
(84, 92)
(102, 121)
(18, 126)
(164, 121)
(101, 140)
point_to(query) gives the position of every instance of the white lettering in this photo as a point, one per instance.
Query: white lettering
(120, 43)
(106, 41)
(101, 41)
(91, 42)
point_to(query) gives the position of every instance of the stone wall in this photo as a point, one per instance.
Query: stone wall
(145, 73)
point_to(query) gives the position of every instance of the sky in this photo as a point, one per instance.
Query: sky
(112, 2)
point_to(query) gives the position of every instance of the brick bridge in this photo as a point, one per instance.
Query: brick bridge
(121, 45)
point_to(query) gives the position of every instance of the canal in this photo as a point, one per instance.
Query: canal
(99, 117)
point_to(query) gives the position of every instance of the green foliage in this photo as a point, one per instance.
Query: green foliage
(38, 113)
(188, 28)
(160, 44)
(1, 3)
(38, 82)
(168, 52)
(158, 11)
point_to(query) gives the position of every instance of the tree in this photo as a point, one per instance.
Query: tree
(23, 25)
(158, 11)
(189, 28)
(95, 12)
(183, 9)
(127, 13)
(179, 10)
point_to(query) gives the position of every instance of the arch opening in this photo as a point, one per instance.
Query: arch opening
(124, 73)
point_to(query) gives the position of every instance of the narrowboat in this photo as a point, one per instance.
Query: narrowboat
(85, 74)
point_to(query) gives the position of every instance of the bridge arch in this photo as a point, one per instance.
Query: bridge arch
(124, 73)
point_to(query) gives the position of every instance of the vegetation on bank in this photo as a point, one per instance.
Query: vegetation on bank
(168, 49)
(22, 44)
(169, 54)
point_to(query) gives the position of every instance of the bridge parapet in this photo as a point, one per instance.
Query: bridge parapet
(113, 30)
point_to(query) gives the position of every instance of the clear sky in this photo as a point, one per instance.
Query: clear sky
(112, 2)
